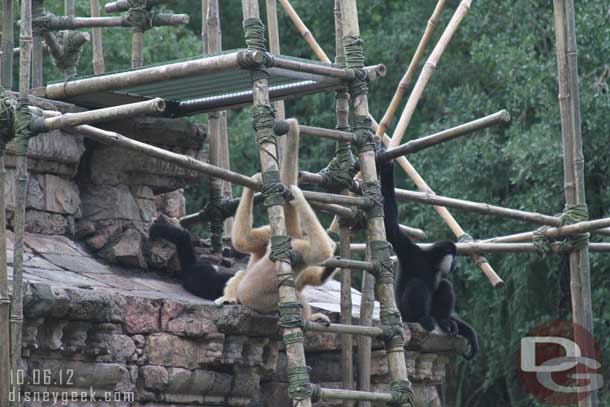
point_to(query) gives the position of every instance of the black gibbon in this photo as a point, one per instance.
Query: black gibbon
(423, 294)
(255, 287)
(198, 277)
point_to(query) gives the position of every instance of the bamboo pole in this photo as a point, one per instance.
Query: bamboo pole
(37, 60)
(25, 44)
(373, 71)
(5, 301)
(295, 352)
(362, 396)
(137, 47)
(213, 46)
(156, 105)
(123, 5)
(375, 228)
(569, 104)
(489, 272)
(483, 208)
(345, 238)
(371, 331)
(99, 66)
(144, 76)
(428, 70)
(401, 90)
(8, 42)
(274, 47)
(91, 22)
(575, 228)
(69, 8)
(467, 249)
(304, 31)
(421, 143)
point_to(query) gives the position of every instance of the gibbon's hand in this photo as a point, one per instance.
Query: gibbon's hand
(449, 326)
(297, 196)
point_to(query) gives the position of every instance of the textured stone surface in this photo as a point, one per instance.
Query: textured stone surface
(127, 250)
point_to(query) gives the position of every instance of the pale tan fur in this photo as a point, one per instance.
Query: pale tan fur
(256, 286)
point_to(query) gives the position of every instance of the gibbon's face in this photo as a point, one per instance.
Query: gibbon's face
(448, 264)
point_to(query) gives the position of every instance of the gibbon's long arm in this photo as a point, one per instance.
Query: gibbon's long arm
(395, 236)
(180, 238)
(289, 174)
(245, 239)
(315, 246)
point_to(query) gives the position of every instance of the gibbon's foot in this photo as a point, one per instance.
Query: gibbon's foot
(319, 317)
(449, 326)
(427, 323)
(220, 301)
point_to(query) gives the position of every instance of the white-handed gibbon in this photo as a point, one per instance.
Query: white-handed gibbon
(256, 286)
(423, 294)
(199, 277)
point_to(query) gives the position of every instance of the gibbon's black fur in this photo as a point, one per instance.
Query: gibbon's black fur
(198, 277)
(423, 294)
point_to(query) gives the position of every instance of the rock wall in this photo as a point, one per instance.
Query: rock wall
(162, 352)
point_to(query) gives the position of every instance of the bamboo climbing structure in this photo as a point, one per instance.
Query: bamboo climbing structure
(355, 202)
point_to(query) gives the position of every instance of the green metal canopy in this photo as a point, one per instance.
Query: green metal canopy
(198, 85)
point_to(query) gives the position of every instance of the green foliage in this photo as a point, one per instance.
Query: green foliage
(501, 57)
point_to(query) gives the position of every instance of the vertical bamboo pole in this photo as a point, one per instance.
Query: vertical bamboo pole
(212, 25)
(401, 90)
(274, 47)
(25, 44)
(428, 70)
(8, 40)
(574, 174)
(295, 351)
(5, 354)
(69, 8)
(37, 60)
(342, 113)
(96, 40)
(137, 48)
(375, 227)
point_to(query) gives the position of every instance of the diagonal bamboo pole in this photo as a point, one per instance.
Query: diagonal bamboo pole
(481, 261)
(427, 71)
(99, 67)
(304, 31)
(569, 105)
(25, 44)
(467, 249)
(8, 42)
(401, 90)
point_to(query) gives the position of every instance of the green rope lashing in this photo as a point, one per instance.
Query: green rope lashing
(393, 333)
(7, 119)
(139, 15)
(364, 139)
(358, 222)
(263, 119)
(380, 256)
(72, 43)
(290, 315)
(281, 248)
(299, 387)
(354, 55)
(372, 191)
(293, 337)
(273, 190)
(571, 214)
(23, 132)
(339, 173)
(254, 33)
(402, 394)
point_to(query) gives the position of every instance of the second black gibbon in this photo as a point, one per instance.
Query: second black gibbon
(423, 294)
(198, 277)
